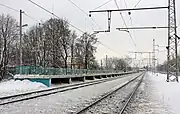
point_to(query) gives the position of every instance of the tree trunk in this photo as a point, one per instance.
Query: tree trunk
(72, 56)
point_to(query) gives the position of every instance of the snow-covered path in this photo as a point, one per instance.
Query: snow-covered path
(156, 96)
(62, 103)
(168, 91)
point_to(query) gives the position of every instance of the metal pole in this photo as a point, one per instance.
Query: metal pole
(150, 61)
(172, 68)
(20, 42)
(154, 61)
(176, 42)
(106, 61)
(101, 65)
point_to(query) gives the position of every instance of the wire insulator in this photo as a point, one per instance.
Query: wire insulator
(129, 13)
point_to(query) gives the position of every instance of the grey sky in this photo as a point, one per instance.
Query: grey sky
(120, 42)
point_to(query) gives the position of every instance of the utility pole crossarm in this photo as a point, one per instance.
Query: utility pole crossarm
(121, 10)
(141, 52)
(153, 27)
(132, 9)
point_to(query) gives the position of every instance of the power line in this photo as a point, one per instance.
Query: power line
(18, 11)
(129, 13)
(103, 4)
(81, 10)
(125, 23)
(84, 12)
(137, 3)
(9, 7)
(77, 7)
(120, 13)
(31, 17)
(67, 22)
(125, 3)
(107, 47)
(54, 15)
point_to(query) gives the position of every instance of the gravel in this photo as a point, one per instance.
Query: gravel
(62, 103)
(113, 104)
(146, 100)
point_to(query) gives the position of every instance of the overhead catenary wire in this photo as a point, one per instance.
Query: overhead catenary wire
(137, 3)
(125, 24)
(93, 20)
(31, 17)
(79, 9)
(102, 4)
(108, 47)
(125, 3)
(129, 13)
(77, 6)
(68, 22)
(54, 15)
(9, 7)
(18, 11)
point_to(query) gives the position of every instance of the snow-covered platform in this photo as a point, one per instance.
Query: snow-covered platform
(49, 79)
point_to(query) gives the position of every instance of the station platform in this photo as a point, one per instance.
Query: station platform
(50, 79)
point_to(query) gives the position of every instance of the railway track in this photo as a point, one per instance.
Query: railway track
(110, 93)
(40, 93)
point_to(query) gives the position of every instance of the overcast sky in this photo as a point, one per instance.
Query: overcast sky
(119, 42)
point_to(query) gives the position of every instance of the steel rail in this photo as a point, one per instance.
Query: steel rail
(44, 90)
(106, 95)
(131, 96)
(62, 89)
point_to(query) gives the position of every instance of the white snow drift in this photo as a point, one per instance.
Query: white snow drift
(15, 87)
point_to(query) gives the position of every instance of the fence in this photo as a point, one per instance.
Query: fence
(57, 71)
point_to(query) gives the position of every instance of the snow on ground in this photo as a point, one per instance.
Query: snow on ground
(62, 103)
(16, 86)
(147, 99)
(156, 96)
(169, 92)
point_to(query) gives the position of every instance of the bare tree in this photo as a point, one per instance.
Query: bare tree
(120, 64)
(48, 43)
(109, 62)
(117, 63)
(72, 43)
(85, 48)
(8, 34)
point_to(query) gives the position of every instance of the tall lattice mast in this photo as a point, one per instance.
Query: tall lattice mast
(172, 67)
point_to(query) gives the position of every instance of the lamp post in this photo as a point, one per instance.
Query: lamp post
(20, 42)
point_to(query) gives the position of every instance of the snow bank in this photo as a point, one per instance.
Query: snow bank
(15, 87)
(169, 92)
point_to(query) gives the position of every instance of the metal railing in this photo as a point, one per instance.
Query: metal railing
(58, 71)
